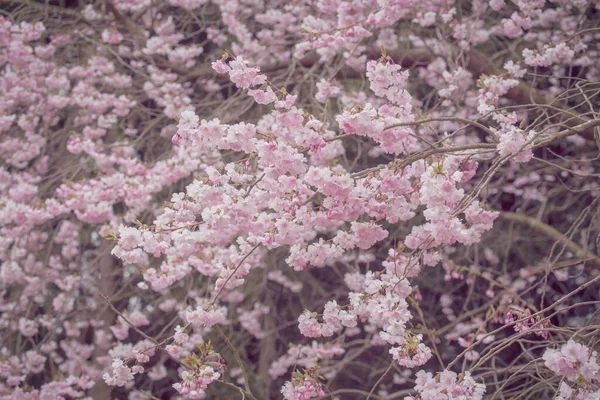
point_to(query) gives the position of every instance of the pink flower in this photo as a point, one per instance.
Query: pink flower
(28, 327)
(242, 75)
(129, 238)
(573, 360)
(325, 89)
(448, 382)
(514, 69)
(308, 390)
(367, 234)
(120, 374)
(387, 81)
(263, 96)
(308, 325)
(208, 318)
(364, 122)
(111, 36)
(138, 319)
(292, 118)
(221, 67)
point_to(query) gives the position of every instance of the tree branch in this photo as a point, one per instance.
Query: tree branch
(554, 234)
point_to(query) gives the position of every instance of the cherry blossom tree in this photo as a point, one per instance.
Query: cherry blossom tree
(264, 199)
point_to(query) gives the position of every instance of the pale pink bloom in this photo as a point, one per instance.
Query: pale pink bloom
(28, 327)
(111, 36)
(367, 234)
(120, 374)
(325, 90)
(138, 319)
(129, 238)
(208, 318)
(263, 96)
(308, 325)
(514, 69)
(221, 67)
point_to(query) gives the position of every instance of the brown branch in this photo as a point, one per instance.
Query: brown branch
(132, 28)
(454, 119)
(230, 276)
(401, 163)
(44, 7)
(554, 234)
(135, 328)
(238, 359)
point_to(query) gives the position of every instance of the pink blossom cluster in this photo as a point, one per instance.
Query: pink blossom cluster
(379, 300)
(304, 386)
(193, 384)
(239, 72)
(559, 53)
(205, 316)
(516, 25)
(121, 374)
(201, 369)
(307, 390)
(325, 90)
(61, 388)
(492, 89)
(528, 324)
(578, 365)
(447, 385)
(387, 81)
(95, 95)
(304, 356)
(368, 122)
(513, 141)
(146, 201)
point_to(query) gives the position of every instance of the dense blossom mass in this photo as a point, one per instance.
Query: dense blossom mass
(343, 199)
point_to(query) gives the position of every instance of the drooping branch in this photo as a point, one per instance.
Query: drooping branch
(555, 235)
